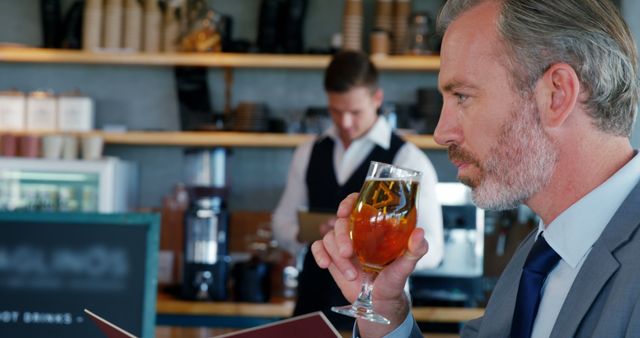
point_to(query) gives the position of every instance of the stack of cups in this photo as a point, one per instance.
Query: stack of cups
(352, 26)
(384, 15)
(8, 145)
(132, 26)
(401, 19)
(112, 24)
(380, 36)
(92, 25)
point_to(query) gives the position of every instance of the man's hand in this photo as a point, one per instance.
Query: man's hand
(327, 226)
(335, 252)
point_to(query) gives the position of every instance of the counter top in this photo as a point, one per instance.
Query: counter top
(203, 332)
(169, 305)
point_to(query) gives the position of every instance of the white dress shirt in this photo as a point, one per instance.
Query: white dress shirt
(346, 161)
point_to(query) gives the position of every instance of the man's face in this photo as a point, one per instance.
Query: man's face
(354, 112)
(492, 130)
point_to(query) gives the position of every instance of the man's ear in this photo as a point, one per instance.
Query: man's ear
(557, 94)
(378, 97)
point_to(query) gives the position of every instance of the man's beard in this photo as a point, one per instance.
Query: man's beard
(518, 165)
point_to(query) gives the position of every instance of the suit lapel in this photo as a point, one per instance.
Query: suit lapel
(598, 267)
(594, 274)
(499, 311)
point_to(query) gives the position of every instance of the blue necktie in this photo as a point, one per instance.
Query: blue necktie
(540, 261)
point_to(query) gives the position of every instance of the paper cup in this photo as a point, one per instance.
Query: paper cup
(92, 147)
(29, 146)
(70, 147)
(52, 146)
(8, 145)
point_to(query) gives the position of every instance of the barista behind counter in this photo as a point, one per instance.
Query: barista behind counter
(324, 171)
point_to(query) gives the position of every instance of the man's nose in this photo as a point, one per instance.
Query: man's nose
(448, 131)
(346, 120)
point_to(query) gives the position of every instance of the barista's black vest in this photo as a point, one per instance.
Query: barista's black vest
(316, 289)
(325, 194)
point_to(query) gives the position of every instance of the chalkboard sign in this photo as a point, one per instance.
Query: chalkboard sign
(54, 265)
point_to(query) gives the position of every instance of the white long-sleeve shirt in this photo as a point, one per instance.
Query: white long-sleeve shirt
(346, 161)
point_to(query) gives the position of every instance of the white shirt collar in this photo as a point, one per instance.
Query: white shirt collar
(379, 134)
(575, 230)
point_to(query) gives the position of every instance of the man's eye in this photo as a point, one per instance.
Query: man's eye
(461, 98)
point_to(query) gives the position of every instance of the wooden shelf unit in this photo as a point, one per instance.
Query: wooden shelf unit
(220, 60)
(228, 61)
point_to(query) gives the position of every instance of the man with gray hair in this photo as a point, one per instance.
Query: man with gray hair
(539, 102)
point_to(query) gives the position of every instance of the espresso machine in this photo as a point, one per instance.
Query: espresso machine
(457, 281)
(206, 262)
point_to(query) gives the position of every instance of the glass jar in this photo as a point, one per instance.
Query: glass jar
(419, 35)
(204, 29)
(205, 249)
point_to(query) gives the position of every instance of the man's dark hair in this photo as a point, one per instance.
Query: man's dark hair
(348, 70)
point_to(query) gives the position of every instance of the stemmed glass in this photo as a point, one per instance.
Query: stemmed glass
(382, 220)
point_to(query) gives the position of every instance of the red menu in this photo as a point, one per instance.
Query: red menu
(312, 325)
(108, 328)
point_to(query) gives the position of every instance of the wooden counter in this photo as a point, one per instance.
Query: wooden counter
(204, 332)
(168, 305)
(208, 319)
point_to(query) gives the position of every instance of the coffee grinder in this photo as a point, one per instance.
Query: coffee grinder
(206, 263)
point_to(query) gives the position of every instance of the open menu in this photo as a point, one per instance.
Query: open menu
(108, 328)
(312, 325)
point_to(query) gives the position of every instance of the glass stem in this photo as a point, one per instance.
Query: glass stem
(364, 302)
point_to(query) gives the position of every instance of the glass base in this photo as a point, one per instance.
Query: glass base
(360, 312)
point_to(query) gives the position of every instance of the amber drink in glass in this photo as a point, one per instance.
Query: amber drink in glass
(381, 223)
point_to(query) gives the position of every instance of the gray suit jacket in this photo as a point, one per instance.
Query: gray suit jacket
(604, 300)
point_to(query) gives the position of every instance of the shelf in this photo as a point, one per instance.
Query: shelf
(214, 138)
(231, 139)
(206, 139)
(222, 60)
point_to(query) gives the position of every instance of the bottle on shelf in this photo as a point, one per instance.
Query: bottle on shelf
(92, 25)
(112, 24)
(152, 26)
(203, 33)
(132, 26)
(419, 34)
(171, 26)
